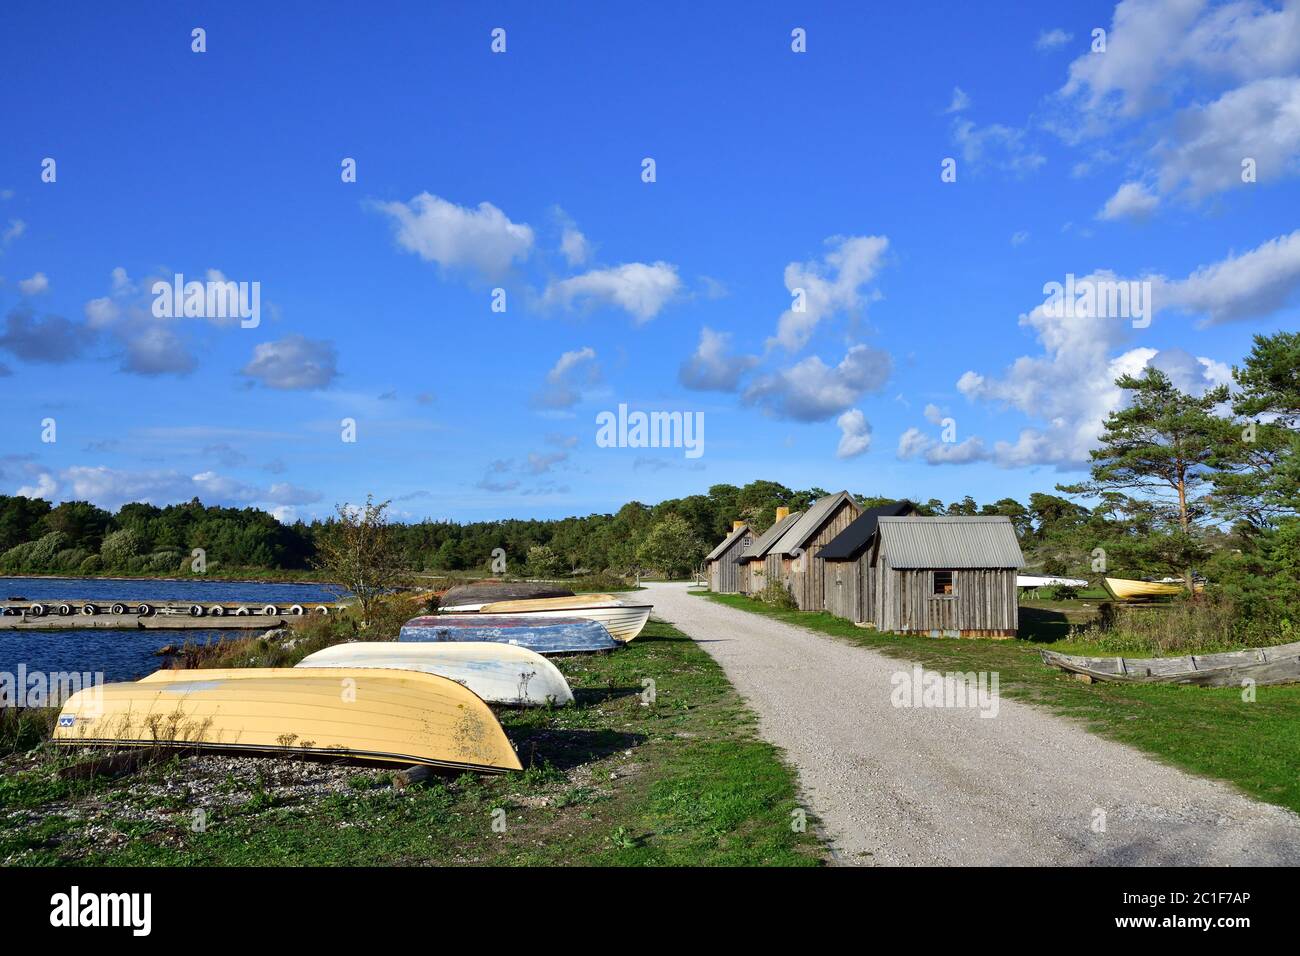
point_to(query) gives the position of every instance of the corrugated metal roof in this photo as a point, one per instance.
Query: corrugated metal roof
(849, 544)
(950, 542)
(760, 545)
(812, 519)
(727, 542)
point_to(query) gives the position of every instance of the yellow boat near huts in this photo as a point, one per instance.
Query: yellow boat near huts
(1125, 590)
(392, 716)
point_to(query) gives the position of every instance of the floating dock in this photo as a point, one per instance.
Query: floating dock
(19, 614)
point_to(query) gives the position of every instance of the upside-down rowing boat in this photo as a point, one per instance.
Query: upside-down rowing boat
(391, 716)
(623, 621)
(499, 673)
(1126, 590)
(1262, 665)
(557, 635)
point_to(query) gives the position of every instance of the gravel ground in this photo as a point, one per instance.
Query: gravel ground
(945, 786)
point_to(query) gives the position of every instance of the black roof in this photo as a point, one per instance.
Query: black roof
(849, 543)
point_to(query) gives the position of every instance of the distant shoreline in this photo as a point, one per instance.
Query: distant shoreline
(196, 579)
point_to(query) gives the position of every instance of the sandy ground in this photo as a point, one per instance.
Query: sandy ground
(944, 786)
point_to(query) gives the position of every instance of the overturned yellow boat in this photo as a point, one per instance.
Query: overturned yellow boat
(363, 713)
(1125, 590)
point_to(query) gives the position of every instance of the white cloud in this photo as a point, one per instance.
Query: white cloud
(711, 368)
(960, 101)
(1205, 150)
(933, 414)
(574, 246)
(638, 288)
(914, 442)
(51, 338)
(564, 382)
(458, 237)
(37, 284)
(995, 145)
(831, 285)
(111, 488)
(1253, 284)
(1019, 238)
(813, 391)
(1131, 201)
(855, 434)
(294, 362)
(1052, 39)
(14, 230)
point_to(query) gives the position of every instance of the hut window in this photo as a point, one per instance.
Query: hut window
(943, 582)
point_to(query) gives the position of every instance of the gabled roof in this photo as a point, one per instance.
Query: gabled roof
(849, 544)
(727, 542)
(950, 542)
(811, 522)
(759, 547)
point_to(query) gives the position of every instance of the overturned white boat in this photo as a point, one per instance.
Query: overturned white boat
(498, 673)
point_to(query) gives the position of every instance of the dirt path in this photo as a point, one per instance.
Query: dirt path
(896, 785)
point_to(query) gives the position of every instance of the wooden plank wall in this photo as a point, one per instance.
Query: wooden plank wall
(842, 589)
(729, 578)
(808, 585)
(984, 605)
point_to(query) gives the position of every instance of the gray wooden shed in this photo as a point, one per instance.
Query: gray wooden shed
(753, 571)
(793, 559)
(847, 579)
(946, 576)
(723, 562)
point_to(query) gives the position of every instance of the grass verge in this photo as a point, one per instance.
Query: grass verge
(610, 781)
(1210, 731)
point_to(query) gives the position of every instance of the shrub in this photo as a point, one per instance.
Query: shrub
(1064, 592)
(44, 553)
(120, 547)
(777, 595)
(1212, 623)
(92, 565)
(70, 559)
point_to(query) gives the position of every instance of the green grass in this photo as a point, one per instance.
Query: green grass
(1210, 731)
(610, 781)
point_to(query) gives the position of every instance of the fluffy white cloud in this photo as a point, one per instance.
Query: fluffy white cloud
(855, 434)
(1052, 39)
(294, 362)
(13, 231)
(1131, 201)
(111, 488)
(914, 442)
(1205, 150)
(813, 391)
(960, 101)
(156, 349)
(1253, 284)
(458, 237)
(574, 246)
(37, 284)
(640, 289)
(711, 368)
(564, 382)
(831, 285)
(995, 145)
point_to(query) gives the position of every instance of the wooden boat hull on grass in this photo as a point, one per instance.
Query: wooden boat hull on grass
(623, 621)
(1262, 665)
(499, 673)
(1124, 590)
(391, 716)
(560, 635)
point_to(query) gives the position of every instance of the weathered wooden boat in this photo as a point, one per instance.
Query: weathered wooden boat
(465, 598)
(623, 621)
(1126, 590)
(499, 673)
(1262, 665)
(392, 716)
(550, 635)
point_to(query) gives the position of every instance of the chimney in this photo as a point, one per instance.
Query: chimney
(782, 512)
(736, 525)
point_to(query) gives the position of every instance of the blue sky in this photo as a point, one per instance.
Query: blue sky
(775, 170)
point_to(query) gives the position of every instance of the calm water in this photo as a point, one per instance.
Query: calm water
(125, 655)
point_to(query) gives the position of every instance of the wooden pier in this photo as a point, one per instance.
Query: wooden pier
(19, 614)
(132, 622)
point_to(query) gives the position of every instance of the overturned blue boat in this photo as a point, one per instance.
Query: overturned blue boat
(551, 635)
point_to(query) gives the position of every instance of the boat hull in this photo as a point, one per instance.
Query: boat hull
(623, 621)
(505, 674)
(561, 635)
(391, 716)
(1262, 666)
(1125, 590)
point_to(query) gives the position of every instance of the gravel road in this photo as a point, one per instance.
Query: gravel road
(945, 786)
